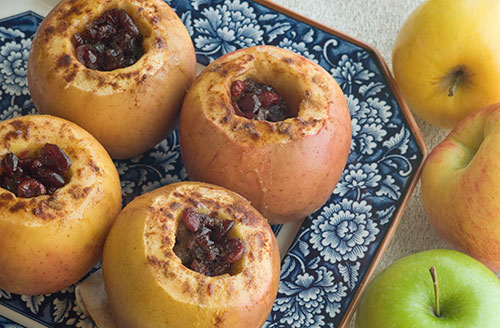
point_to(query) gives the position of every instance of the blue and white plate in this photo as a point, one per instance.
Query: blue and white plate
(337, 248)
(6, 323)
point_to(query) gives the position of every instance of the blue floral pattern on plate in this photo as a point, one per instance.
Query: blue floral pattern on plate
(335, 246)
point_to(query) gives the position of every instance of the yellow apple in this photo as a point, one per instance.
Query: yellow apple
(147, 283)
(49, 242)
(461, 186)
(446, 59)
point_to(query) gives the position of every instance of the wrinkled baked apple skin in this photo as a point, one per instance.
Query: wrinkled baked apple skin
(148, 286)
(50, 242)
(128, 110)
(285, 169)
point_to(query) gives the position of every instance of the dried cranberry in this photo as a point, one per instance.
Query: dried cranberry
(191, 220)
(30, 187)
(127, 23)
(249, 104)
(10, 166)
(50, 178)
(106, 31)
(9, 163)
(236, 88)
(88, 55)
(203, 244)
(54, 157)
(31, 177)
(220, 268)
(258, 101)
(111, 16)
(110, 42)
(269, 98)
(10, 184)
(249, 86)
(30, 165)
(235, 250)
(112, 59)
(200, 267)
(220, 230)
(79, 39)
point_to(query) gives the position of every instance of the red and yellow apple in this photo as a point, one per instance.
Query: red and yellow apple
(461, 186)
(49, 242)
(446, 59)
(286, 169)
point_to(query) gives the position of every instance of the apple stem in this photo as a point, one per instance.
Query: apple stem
(457, 78)
(436, 290)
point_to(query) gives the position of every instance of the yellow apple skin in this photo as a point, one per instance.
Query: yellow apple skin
(49, 242)
(440, 38)
(148, 286)
(461, 186)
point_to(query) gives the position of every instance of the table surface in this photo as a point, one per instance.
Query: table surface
(377, 23)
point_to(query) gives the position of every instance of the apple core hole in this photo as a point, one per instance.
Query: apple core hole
(256, 100)
(292, 94)
(31, 173)
(208, 244)
(111, 41)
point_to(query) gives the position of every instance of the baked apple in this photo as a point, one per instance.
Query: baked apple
(270, 125)
(190, 254)
(119, 69)
(59, 194)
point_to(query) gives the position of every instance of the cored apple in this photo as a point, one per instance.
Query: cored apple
(50, 239)
(119, 69)
(446, 59)
(191, 255)
(270, 125)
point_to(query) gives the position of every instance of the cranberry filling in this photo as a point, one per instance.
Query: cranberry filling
(258, 101)
(31, 177)
(203, 244)
(111, 41)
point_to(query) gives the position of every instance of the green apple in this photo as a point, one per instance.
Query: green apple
(446, 59)
(461, 186)
(403, 295)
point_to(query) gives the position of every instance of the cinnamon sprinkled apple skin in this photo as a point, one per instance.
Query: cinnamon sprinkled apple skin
(147, 231)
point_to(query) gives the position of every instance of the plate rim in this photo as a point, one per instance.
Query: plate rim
(412, 124)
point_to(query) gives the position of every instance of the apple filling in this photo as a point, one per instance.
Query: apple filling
(203, 243)
(31, 177)
(258, 101)
(110, 42)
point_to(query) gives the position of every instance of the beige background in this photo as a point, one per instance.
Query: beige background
(377, 23)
